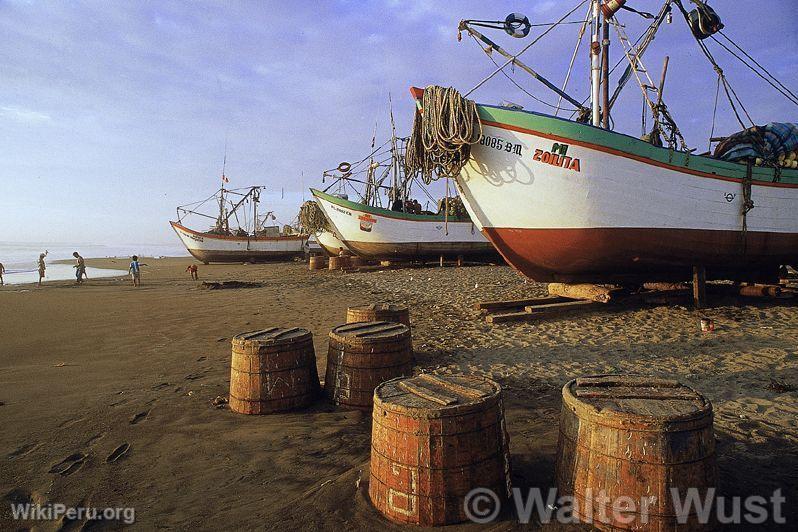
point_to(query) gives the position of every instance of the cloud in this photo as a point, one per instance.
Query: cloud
(23, 115)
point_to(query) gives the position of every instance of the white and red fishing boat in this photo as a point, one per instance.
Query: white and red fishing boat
(376, 233)
(251, 241)
(570, 201)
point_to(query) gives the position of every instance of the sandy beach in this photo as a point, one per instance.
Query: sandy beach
(87, 369)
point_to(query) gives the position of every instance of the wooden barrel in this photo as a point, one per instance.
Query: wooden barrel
(636, 437)
(356, 262)
(273, 370)
(339, 263)
(317, 262)
(433, 440)
(361, 356)
(378, 312)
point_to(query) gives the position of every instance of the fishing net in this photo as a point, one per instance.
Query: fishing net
(443, 133)
(311, 218)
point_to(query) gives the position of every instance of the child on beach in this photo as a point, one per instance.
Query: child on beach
(192, 269)
(42, 266)
(135, 270)
(80, 268)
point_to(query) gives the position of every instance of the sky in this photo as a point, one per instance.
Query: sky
(113, 113)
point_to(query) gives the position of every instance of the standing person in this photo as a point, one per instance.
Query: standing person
(80, 267)
(135, 270)
(2, 271)
(192, 269)
(42, 266)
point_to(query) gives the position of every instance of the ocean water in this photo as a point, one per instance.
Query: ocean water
(20, 258)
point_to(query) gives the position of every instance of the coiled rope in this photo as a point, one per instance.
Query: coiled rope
(311, 218)
(443, 133)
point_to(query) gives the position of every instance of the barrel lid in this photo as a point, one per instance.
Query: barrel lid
(636, 397)
(370, 331)
(381, 307)
(272, 336)
(428, 395)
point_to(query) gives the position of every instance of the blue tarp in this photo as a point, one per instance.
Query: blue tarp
(766, 142)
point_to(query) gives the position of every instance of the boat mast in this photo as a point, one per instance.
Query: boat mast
(595, 64)
(605, 73)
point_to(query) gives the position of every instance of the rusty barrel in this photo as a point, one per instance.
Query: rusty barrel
(317, 262)
(433, 440)
(378, 312)
(631, 438)
(273, 370)
(361, 356)
(339, 263)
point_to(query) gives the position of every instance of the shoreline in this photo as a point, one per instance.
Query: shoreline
(93, 265)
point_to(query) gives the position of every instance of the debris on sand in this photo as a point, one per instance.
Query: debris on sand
(224, 285)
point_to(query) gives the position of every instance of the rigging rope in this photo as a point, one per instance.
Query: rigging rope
(527, 47)
(312, 219)
(443, 133)
(784, 92)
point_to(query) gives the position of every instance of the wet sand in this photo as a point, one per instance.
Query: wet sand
(86, 369)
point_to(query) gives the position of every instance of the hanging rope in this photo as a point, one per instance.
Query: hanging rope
(443, 133)
(311, 218)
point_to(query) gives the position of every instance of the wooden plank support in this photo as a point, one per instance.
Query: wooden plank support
(536, 312)
(516, 303)
(699, 287)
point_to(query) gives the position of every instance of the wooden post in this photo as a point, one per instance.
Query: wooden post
(699, 287)
(459, 260)
(441, 261)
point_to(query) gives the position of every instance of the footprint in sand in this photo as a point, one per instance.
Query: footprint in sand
(94, 438)
(161, 386)
(69, 465)
(118, 453)
(138, 418)
(22, 451)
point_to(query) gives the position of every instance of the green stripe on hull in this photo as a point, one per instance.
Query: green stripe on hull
(385, 212)
(550, 125)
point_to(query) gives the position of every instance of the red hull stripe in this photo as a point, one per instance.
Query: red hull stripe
(549, 255)
(242, 239)
(612, 151)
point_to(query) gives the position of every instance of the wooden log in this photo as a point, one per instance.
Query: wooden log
(666, 287)
(592, 292)
(516, 303)
(760, 290)
(699, 287)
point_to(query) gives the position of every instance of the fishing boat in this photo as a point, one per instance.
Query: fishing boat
(571, 200)
(405, 231)
(251, 241)
(376, 233)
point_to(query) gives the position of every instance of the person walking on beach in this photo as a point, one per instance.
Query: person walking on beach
(80, 267)
(42, 266)
(135, 270)
(192, 269)
(2, 271)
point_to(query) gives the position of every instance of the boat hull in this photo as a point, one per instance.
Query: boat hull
(217, 248)
(567, 202)
(380, 234)
(330, 242)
